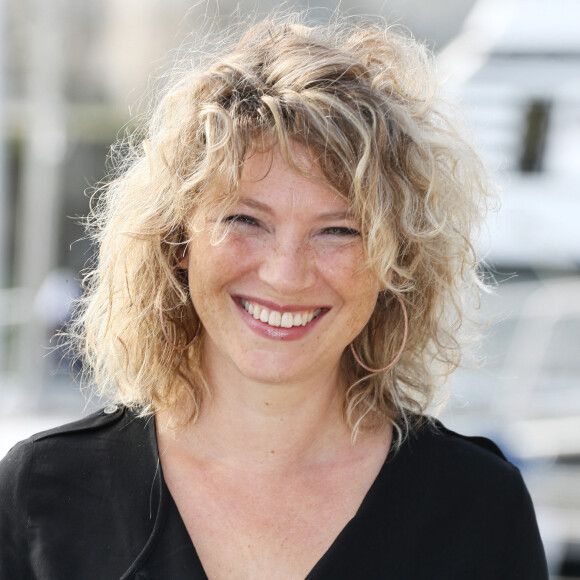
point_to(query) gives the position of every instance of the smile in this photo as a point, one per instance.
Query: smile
(276, 318)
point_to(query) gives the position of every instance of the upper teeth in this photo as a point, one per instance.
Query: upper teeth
(275, 318)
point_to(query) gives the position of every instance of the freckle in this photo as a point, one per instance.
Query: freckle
(267, 404)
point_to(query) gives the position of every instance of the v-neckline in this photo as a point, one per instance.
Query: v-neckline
(167, 504)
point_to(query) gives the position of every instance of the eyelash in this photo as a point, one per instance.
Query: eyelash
(341, 231)
(333, 231)
(244, 219)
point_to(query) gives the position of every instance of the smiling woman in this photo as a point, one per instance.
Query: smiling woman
(283, 263)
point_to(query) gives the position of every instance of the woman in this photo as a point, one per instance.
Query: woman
(283, 263)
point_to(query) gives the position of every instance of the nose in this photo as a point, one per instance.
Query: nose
(289, 268)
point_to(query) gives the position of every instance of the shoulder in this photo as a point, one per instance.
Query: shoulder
(451, 469)
(114, 422)
(108, 419)
(108, 437)
(441, 447)
(472, 500)
(77, 490)
(73, 450)
(466, 486)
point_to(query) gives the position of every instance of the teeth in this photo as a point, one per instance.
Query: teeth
(275, 318)
(287, 320)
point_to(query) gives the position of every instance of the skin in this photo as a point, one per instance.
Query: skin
(268, 476)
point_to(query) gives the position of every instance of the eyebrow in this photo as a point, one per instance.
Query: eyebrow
(252, 203)
(331, 216)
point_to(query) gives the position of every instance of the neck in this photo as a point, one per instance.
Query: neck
(269, 425)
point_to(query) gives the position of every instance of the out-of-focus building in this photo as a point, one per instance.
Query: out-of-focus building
(517, 67)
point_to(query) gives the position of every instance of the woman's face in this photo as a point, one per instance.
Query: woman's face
(287, 290)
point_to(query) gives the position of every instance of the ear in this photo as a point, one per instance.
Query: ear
(183, 257)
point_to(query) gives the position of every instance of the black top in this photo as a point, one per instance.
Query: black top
(88, 501)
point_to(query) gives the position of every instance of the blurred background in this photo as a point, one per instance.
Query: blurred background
(73, 74)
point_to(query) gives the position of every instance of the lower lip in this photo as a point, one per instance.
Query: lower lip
(278, 332)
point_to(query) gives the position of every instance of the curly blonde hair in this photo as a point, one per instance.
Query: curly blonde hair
(364, 100)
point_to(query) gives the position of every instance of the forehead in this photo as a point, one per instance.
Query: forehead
(267, 177)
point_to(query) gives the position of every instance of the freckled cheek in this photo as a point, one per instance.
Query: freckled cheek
(345, 269)
(239, 254)
(214, 266)
(358, 287)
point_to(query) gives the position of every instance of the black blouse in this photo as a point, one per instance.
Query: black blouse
(88, 501)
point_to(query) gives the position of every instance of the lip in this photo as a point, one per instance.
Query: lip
(278, 332)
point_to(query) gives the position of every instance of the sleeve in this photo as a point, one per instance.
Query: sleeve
(14, 549)
(525, 558)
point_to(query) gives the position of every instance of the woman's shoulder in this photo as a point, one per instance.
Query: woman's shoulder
(437, 444)
(447, 468)
(452, 469)
(64, 491)
(110, 424)
(107, 441)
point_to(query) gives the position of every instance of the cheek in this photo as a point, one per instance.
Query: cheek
(366, 293)
(346, 268)
(357, 286)
(213, 266)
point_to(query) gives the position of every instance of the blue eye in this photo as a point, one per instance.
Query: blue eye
(241, 218)
(340, 231)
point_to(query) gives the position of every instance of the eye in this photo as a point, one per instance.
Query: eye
(341, 231)
(241, 218)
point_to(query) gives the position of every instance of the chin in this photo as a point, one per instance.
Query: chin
(276, 368)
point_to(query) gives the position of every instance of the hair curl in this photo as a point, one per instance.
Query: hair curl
(364, 100)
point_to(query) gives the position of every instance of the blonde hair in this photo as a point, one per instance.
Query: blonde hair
(364, 100)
